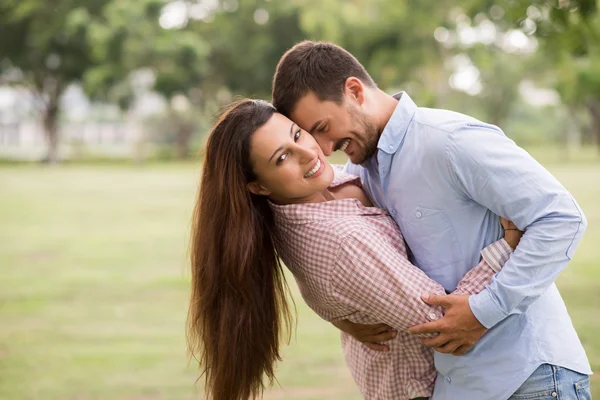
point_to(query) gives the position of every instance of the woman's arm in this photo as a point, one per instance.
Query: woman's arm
(494, 257)
(377, 279)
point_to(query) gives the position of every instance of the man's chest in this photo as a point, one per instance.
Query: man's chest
(422, 201)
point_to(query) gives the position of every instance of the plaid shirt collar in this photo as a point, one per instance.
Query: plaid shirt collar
(302, 213)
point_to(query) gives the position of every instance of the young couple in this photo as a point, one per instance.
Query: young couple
(455, 315)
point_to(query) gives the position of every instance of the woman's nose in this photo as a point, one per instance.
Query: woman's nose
(325, 144)
(306, 154)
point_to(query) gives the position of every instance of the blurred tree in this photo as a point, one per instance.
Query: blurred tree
(172, 42)
(497, 86)
(572, 45)
(196, 53)
(168, 57)
(44, 46)
(578, 75)
(499, 58)
(247, 39)
(393, 39)
(569, 36)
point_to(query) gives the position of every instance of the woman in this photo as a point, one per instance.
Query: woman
(267, 191)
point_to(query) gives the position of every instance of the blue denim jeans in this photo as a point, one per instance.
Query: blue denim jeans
(550, 382)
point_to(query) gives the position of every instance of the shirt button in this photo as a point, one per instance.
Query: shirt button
(432, 316)
(554, 394)
(448, 379)
(394, 211)
(390, 147)
(418, 214)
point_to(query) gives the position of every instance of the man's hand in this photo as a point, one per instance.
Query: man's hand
(369, 335)
(458, 329)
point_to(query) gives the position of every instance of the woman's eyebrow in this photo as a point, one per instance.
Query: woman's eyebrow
(277, 150)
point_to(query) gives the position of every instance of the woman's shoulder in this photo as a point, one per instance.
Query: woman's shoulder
(320, 237)
(341, 176)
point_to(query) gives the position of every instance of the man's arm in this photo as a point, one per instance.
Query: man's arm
(465, 329)
(492, 170)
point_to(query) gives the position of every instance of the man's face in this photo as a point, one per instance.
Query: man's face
(342, 127)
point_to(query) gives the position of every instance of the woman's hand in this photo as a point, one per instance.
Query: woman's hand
(512, 234)
(369, 335)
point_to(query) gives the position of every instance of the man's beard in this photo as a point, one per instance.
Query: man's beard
(367, 137)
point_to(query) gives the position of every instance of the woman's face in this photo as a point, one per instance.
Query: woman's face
(289, 164)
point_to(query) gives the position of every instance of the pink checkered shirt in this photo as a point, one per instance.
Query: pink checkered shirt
(350, 262)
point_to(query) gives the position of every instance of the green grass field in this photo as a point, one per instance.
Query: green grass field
(94, 286)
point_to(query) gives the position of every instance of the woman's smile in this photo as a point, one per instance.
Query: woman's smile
(316, 170)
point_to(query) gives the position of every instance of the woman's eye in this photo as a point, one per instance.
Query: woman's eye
(281, 158)
(297, 135)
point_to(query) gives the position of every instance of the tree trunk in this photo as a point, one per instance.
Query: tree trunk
(182, 144)
(571, 134)
(594, 108)
(50, 89)
(51, 131)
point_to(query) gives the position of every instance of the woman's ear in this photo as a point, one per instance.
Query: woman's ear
(257, 188)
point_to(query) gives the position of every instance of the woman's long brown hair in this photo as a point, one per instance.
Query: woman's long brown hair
(238, 309)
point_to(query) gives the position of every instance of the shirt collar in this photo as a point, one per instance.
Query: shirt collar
(310, 212)
(396, 128)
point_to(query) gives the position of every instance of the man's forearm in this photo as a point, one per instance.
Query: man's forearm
(488, 168)
(534, 266)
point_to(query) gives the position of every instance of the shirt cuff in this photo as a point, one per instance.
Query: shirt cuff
(497, 254)
(486, 309)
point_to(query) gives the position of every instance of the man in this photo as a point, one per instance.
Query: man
(445, 178)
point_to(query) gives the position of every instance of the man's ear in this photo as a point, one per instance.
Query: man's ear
(354, 88)
(257, 188)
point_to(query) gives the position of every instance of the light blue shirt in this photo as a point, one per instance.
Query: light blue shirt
(445, 178)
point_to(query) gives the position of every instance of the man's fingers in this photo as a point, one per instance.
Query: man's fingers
(429, 327)
(376, 346)
(435, 300)
(438, 341)
(448, 348)
(382, 337)
(377, 329)
(461, 350)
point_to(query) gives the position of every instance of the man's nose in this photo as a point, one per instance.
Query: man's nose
(325, 144)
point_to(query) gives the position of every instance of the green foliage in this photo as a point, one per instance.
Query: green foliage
(231, 47)
(244, 53)
(46, 47)
(393, 39)
(177, 58)
(47, 38)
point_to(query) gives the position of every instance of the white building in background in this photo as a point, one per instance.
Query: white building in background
(94, 129)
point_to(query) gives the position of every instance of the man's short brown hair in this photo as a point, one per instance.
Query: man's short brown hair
(318, 67)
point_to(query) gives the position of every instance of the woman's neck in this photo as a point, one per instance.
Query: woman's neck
(350, 190)
(317, 197)
(347, 190)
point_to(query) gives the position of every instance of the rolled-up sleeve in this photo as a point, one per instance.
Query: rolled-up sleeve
(489, 168)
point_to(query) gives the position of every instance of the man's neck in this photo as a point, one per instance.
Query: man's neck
(386, 106)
